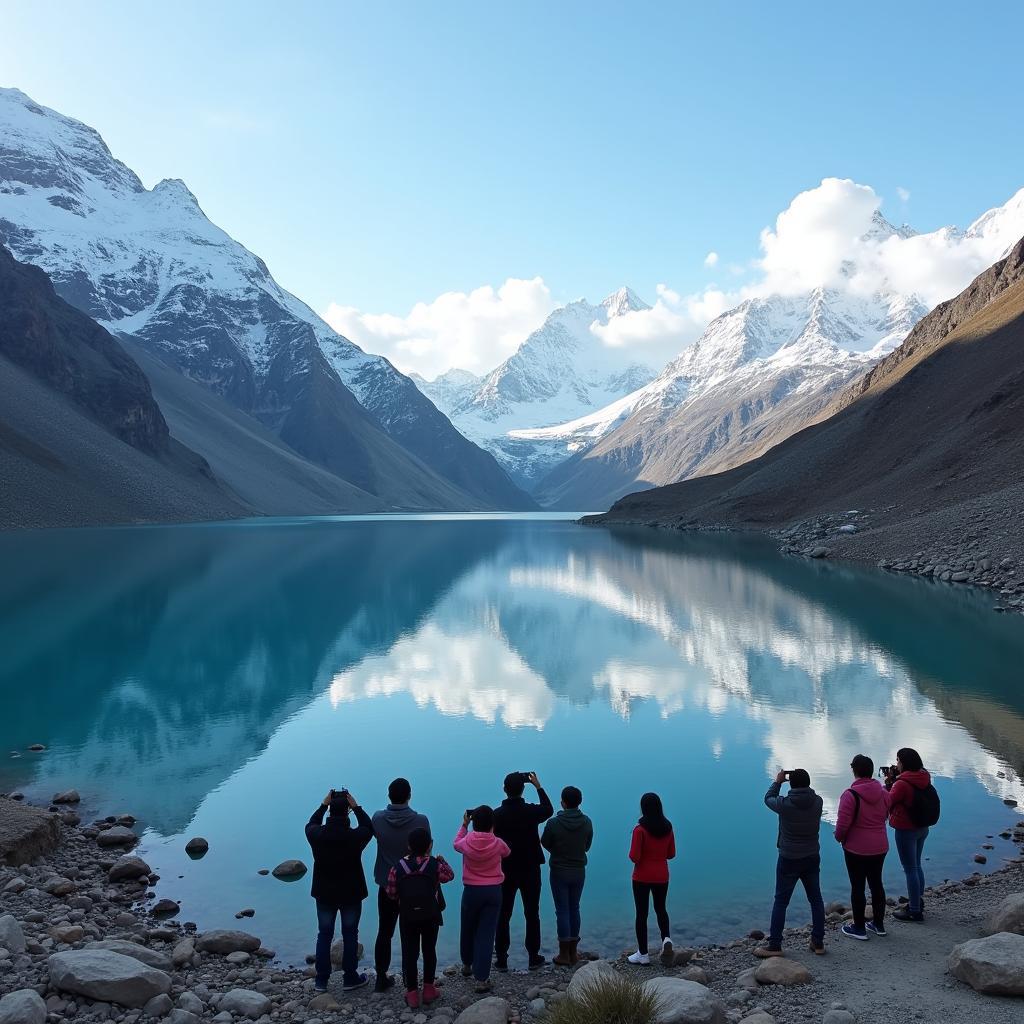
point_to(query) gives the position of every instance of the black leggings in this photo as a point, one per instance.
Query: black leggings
(412, 936)
(867, 869)
(642, 891)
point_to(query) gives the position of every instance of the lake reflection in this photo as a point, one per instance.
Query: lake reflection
(216, 680)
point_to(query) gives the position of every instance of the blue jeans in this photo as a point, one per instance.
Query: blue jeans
(806, 870)
(566, 891)
(481, 905)
(325, 915)
(909, 844)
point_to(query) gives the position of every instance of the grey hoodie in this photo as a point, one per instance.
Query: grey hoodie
(391, 828)
(799, 820)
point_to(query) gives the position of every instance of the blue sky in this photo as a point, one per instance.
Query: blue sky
(378, 155)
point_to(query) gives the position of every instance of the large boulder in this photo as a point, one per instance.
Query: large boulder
(183, 952)
(994, 965)
(492, 1010)
(128, 867)
(290, 870)
(245, 1002)
(106, 976)
(26, 832)
(25, 1006)
(12, 938)
(1008, 916)
(684, 1002)
(227, 940)
(587, 975)
(780, 971)
(145, 955)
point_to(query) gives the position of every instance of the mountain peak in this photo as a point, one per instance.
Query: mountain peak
(625, 300)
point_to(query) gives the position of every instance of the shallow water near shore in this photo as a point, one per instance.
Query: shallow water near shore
(216, 680)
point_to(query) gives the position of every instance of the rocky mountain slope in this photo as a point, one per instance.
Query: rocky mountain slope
(150, 265)
(82, 438)
(759, 373)
(560, 372)
(923, 458)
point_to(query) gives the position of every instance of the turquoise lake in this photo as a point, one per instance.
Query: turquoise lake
(216, 680)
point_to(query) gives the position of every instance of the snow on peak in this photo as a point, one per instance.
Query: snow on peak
(625, 300)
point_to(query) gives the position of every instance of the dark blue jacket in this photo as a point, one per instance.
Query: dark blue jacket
(338, 877)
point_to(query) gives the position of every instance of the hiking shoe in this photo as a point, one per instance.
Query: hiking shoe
(359, 982)
(319, 988)
(412, 999)
(906, 914)
(876, 929)
(467, 970)
(383, 983)
(431, 993)
(817, 948)
(638, 959)
(536, 961)
(765, 952)
(851, 931)
(483, 986)
(501, 964)
(668, 954)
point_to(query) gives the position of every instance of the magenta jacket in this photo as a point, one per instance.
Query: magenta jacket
(482, 853)
(863, 831)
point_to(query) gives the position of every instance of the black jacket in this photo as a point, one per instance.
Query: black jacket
(567, 837)
(516, 822)
(337, 856)
(799, 820)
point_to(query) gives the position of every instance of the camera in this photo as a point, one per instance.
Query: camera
(525, 776)
(339, 793)
(889, 772)
(469, 813)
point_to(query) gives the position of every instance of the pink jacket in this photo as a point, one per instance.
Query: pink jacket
(482, 853)
(863, 831)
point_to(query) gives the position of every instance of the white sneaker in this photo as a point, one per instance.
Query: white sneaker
(638, 958)
(668, 953)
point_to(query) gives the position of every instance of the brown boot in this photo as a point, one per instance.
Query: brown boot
(564, 957)
(573, 956)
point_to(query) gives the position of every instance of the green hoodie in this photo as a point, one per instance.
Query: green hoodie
(567, 837)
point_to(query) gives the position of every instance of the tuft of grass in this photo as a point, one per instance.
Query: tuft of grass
(607, 1000)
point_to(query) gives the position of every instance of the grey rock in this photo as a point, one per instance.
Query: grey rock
(746, 980)
(537, 1006)
(492, 1010)
(158, 1006)
(191, 1002)
(128, 866)
(227, 940)
(245, 1002)
(323, 1002)
(183, 952)
(108, 976)
(69, 796)
(685, 1002)
(839, 1017)
(993, 965)
(819, 552)
(11, 935)
(145, 955)
(694, 973)
(180, 1016)
(780, 971)
(759, 1017)
(587, 975)
(290, 870)
(1008, 916)
(25, 1006)
(117, 835)
(196, 847)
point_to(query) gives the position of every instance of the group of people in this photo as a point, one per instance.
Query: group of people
(906, 800)
(503, 847)
(502, 851)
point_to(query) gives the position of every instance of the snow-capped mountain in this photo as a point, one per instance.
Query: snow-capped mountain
(759, 373)
(149, 264)
(561, 371)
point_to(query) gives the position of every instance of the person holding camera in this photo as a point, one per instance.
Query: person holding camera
(799, 857)
(860, 828)
(339, 885)
(482, 855)
(652, 846)
(516, 822)
(914, 807)
(567, 838)
(414, 886)
(392, 827)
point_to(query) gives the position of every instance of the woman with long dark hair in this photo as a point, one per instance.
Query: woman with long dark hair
(653, 846)
(913, 807)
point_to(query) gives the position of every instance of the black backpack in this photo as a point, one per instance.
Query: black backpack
(418, 892)
(924, 809)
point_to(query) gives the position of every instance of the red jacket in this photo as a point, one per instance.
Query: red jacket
(901, 796)
(650, 855)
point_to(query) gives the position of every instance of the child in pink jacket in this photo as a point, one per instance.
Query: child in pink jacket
(482, 852)
(861, 828)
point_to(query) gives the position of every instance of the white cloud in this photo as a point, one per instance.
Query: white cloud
(903, 193)
(473, 331)
(711, 259)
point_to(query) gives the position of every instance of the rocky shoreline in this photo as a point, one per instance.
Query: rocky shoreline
(84, 937)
